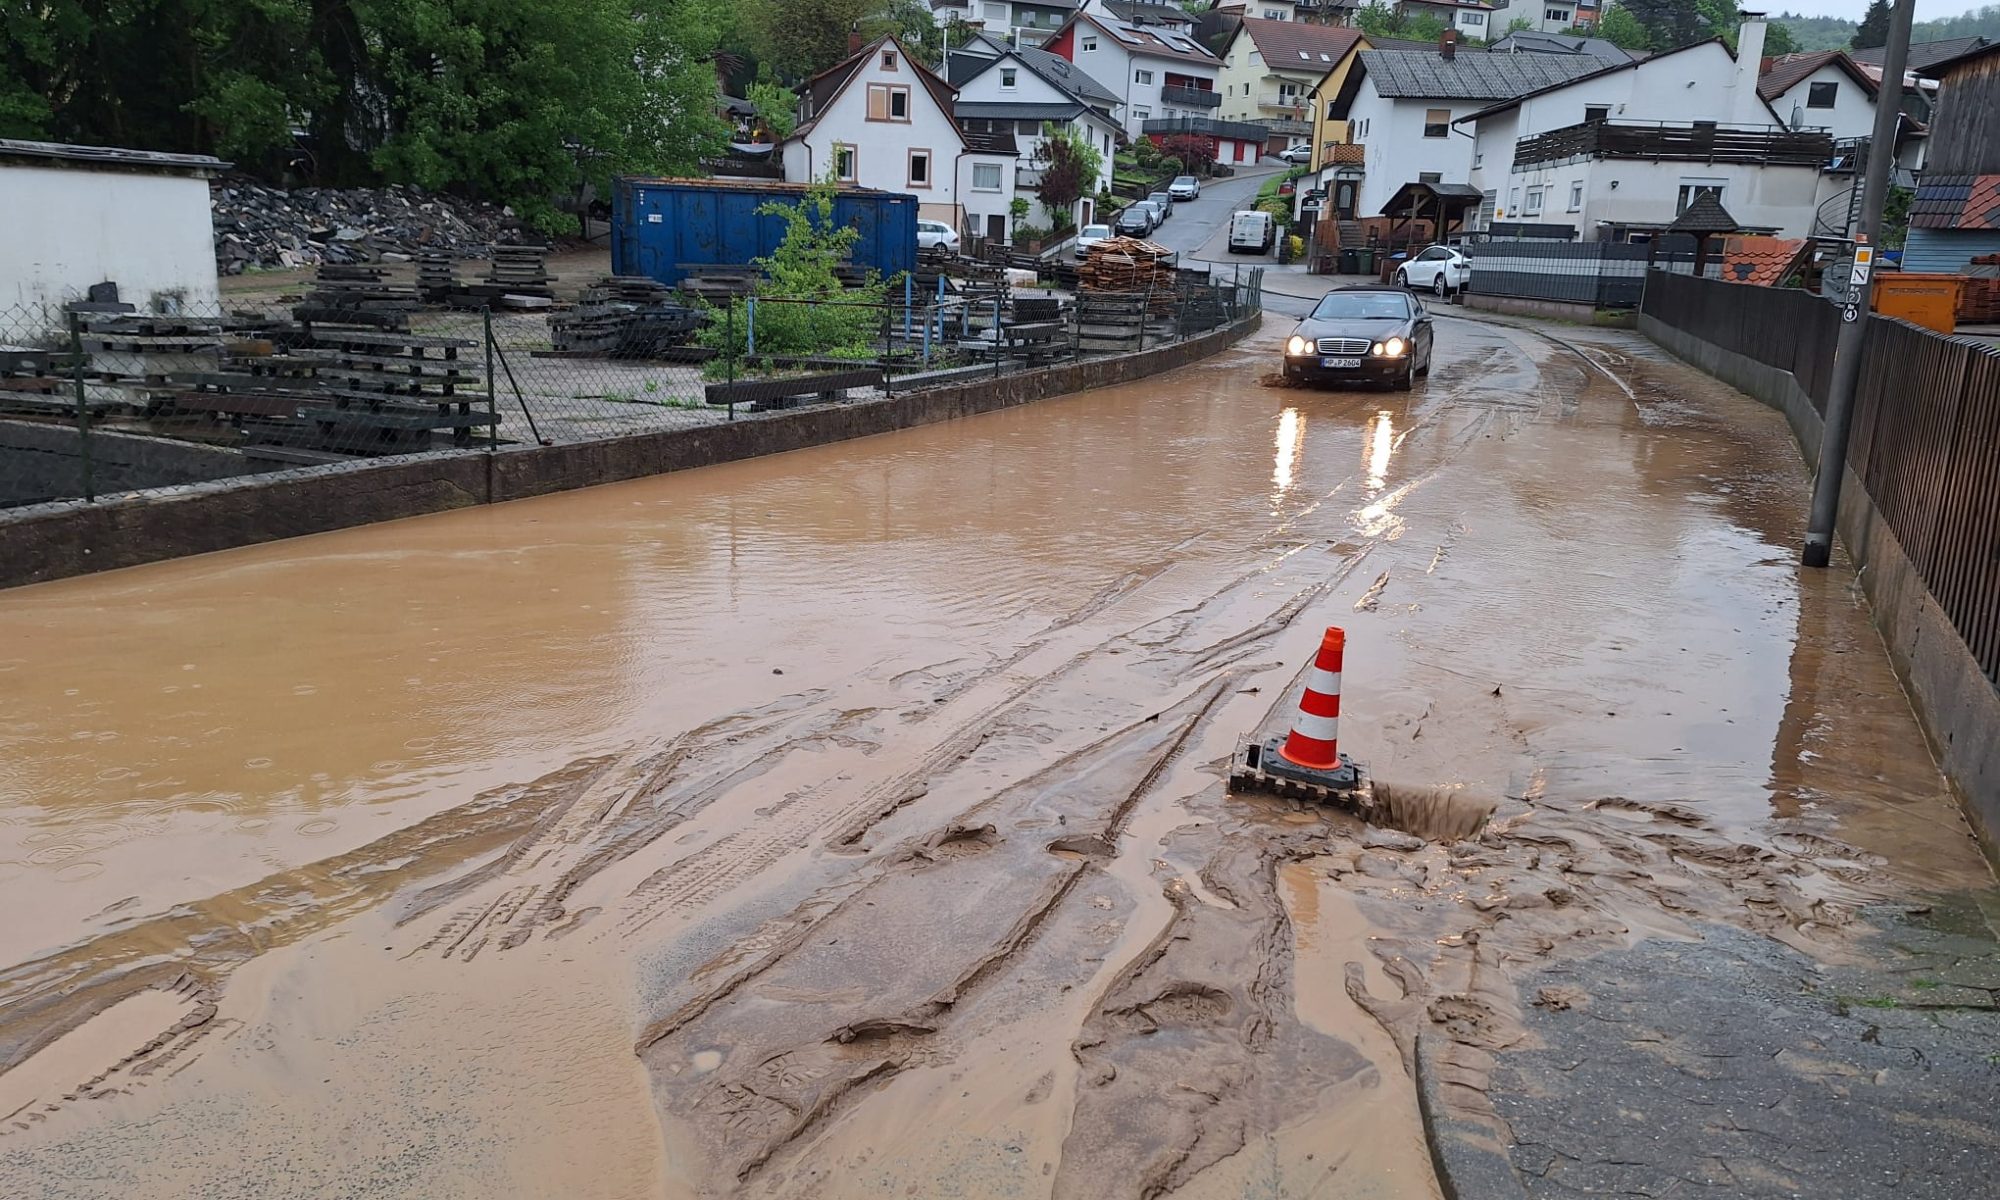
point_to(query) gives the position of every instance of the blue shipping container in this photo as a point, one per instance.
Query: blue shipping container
(662, 227)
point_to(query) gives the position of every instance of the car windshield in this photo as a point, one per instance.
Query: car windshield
(1179, 179)
(1362, 306)
(1095, 231)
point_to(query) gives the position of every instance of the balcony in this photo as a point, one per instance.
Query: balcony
(1294, 103)
(1761, 145)
(1187, 97)
(1342, 154)
(1241, 131)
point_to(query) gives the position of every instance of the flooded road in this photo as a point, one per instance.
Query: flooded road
(851, 822)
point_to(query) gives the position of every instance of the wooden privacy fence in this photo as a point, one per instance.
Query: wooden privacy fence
(1926, 435)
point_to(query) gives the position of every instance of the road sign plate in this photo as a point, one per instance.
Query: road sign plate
(1850, 313)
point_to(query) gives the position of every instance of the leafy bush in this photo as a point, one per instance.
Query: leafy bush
(810, 314)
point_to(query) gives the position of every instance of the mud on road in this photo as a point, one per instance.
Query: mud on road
(852, 822)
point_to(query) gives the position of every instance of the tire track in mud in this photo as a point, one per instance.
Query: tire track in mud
(772, 1054)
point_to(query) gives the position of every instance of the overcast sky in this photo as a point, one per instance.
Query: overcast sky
(1927, 10)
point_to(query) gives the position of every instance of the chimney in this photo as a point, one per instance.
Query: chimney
(854, 39)
(1448, 45)
(1749, 63)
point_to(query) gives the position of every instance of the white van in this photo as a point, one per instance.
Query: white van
(1251, 232)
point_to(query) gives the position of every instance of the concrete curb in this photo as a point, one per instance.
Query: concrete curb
(56, 541)
(1468, 1165)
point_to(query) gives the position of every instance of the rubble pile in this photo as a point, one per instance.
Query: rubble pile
(258, 226)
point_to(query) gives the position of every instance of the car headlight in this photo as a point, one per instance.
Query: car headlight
(1296, 346)
(1391, 348)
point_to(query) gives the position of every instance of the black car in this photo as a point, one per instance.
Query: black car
(1135, 221)
(1374, 334)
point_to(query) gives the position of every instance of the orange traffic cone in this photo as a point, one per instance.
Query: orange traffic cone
(1315, 738)
(1308, 762)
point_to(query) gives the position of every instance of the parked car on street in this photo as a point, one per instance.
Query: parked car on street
(1251, 232)
(1136, 221)
(936, 237)
(1440, 270)
(1368, 333)
(1184, 187)
(1165, 200)
(1155, 215)
(1298, 156)
(1089, 236)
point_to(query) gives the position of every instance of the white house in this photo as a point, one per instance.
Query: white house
(1021, 22)
(81, 215)
(1023, 91)
(1620, 152)
(1472, 18)
(880, 119)
(1269, 70)
(1401, 106)
(1544, 16)
(1158, 73)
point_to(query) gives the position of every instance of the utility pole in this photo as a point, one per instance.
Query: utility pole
(1854, 314)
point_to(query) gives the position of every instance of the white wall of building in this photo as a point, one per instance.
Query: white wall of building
(1137, 77)
(1397, 150)
(1101, 132)
(67, 228)
(883, 149)
(1646, 192)
(987, 186)
(1546, 16)
(1852, 114)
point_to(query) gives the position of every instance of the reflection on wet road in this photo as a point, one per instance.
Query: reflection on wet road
(850, 822)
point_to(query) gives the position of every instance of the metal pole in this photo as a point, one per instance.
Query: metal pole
(1854, 314)
(492, 411)
(729, 350)
(996, 336)
(82, 404)
(909, 289)
(750, 327)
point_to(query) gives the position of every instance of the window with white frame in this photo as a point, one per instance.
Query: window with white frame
(1691, 189)
(1534, 205)
(995, 12)
(888, 60)
(985, 177)
(1576, 197)
(1563, 16)
(1513, 201)
(1143, 114)
(1087, 44)
(1821, 95)
(1142, 77)
(1596, 112)
(843, 162)
(920, 169)
(1437, 122)
(1009, 76)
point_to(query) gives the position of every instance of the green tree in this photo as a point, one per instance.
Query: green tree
(911, 23)
(1619, 27)
(1379, 19)
(798, 39)
(808, 312)
(1069, 165)
(519, 99)
(1874, 28)
(1670, 23)
(777, 108)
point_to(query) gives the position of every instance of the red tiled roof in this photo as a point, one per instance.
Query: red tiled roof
(1299, 45)
(1982, 206)
(1760, 260)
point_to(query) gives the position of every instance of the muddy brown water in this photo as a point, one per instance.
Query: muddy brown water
(851, 822)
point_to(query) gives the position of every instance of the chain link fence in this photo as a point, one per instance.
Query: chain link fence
(97, 401)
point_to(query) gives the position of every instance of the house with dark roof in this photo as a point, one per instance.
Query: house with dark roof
(1400, 105)
(1955, 216)
(1024, 92)
(1528, 41)
(1619, 152)
(1828, 90)
(1924, 55)
(1269, 71)
(879, 118)
(1158, 73)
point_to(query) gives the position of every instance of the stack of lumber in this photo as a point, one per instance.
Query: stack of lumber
(347, 294)
(1123, 264)
(1979, 296)
(623, 316)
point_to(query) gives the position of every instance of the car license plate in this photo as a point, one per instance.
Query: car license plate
(1347, 364)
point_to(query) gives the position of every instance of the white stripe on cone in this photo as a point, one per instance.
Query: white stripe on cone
(1326, 729)
(1323, 681)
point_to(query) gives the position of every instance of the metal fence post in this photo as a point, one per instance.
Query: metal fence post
(1145, 312)
(729, 349)
(82, 405)
(750, 327)
(492, 410)
(996, 335)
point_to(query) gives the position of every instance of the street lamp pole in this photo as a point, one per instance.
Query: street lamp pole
(1854, 314)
